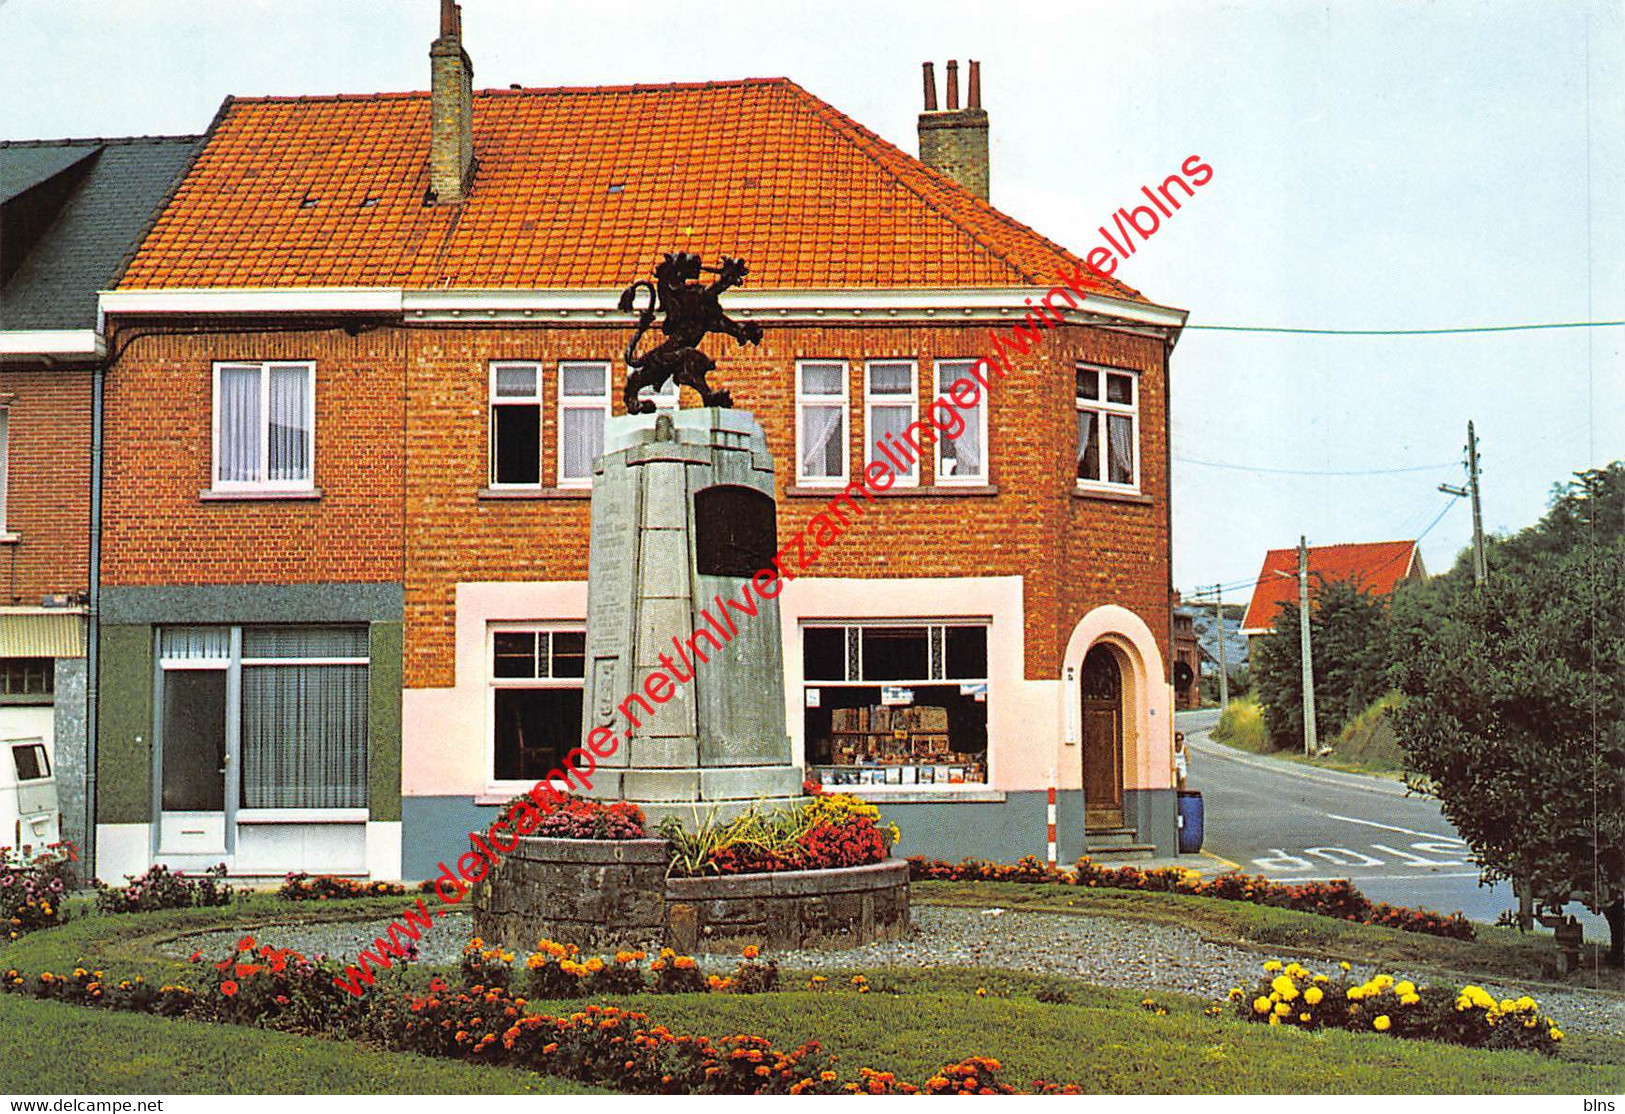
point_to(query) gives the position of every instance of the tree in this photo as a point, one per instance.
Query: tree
(1348, 631)
(1515, 715)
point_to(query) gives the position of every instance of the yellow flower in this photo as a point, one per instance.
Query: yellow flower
(1273, 965)
(1275, 1019)
(1556, 1034)
(1345, 965)
(1409, 999)
(1381, 1023)
(1404, 988)
(1356, 993)
(1383, 982)
(1526, 1003)
(981, 992)
(1235, 993)
(1261, 1004)
(1284, 987)
(1322, 978)
(1313, 995)
(1303, 1017)
(1282, 1009)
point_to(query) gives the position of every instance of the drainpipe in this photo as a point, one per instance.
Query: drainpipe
(93, 634)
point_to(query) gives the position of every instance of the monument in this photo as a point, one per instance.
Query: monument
(683, 517)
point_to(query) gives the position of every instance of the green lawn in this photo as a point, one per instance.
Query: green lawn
(1502, 953)
(48, 1048)
(913, 1022)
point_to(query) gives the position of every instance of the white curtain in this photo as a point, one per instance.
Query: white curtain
(822, 441)
(304, 742)
(962, 455)
(1088, 448)
(289, 441)
(583, 439)
(239, 417)
(884, 420)
(1120, 446)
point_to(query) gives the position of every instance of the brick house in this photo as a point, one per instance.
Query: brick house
(1187, 656)
(372, 345)
(71, 211)
(1375, 567)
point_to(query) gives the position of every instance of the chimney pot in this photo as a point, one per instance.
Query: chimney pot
(953, 142)
(930, 87)
(448, 18)
(973, 95)
(953, 85)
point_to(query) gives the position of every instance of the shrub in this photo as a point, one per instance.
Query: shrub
(299, 886)
(1337, 898)
(161, 888)
(1296, 996)
(32, 890)
(278, 988)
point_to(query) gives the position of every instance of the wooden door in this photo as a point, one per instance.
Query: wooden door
(1102, 694)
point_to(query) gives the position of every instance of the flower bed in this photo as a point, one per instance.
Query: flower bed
(161, 888)
(486, 1023)
(299, 886)
(32, 890)
(1328, 899)
(1296, 996)
(572, 817)
(828, 831)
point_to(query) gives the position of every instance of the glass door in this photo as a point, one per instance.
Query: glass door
(194, 752)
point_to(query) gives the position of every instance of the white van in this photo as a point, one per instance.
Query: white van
(28, 806)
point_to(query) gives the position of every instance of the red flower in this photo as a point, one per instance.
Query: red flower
(228, 988)
(194, 957)
(245, 943)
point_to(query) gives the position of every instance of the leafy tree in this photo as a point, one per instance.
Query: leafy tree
(1515, 709)
(1348, 628)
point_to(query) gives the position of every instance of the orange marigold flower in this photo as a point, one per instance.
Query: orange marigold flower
(228, 988)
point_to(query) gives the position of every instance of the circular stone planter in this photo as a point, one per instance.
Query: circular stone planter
(602, 895)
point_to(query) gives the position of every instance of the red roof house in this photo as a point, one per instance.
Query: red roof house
(1377, 567)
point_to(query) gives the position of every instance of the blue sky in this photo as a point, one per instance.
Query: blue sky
(1376, 166)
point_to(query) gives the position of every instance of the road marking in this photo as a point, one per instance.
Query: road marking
(1330, 854)
(1396, 828)
(1380, 877)
(1222, 861)
(1417, 860)
(1279, 860)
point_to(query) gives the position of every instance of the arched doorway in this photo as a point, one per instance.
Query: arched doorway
(1102, 693)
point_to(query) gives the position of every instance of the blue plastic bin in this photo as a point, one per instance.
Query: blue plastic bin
(1190, 821)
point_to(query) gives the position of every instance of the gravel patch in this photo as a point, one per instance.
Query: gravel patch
(1133, 955)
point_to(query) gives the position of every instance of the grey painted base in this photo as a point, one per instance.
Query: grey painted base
(1000, 831)
(70, 753)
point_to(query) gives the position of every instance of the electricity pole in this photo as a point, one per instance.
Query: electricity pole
(1480, 567)
(1310, 743)
(1224, 669)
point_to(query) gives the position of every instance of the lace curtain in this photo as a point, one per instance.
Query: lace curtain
(238, 452)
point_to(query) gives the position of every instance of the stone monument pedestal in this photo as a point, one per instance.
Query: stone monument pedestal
(683, 518)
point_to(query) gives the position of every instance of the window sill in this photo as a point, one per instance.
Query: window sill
(941, 491)
(535, 493)
(302, 816)
(10, 538)
(1112, 496)
(905, 795)
(210, 495)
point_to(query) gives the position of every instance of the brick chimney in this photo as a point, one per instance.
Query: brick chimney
(451, 111)
(953, 141)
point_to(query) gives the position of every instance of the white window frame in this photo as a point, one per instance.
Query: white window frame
(537, 398)
(843, 400)
(493, 683)
(263, 484)
(1104, 411)
(926, 623)
(911, 478)
(943, 381)
(580, 402)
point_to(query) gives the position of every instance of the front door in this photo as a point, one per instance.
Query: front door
(192, 762)
(1102, 686)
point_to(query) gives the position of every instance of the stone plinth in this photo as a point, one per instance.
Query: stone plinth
(602, 895)
(682, 518)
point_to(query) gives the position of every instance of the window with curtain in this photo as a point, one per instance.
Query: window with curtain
(1108, 427)
(536, 692)
(304, 717)
(264, 426)
(516, 424)
(821, 422)
(962, 459)
(583, 410)
(889, 405)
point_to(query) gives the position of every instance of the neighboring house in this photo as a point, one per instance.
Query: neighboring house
(1187, 675)
(369, 350)
(71, 211)
(1375, 567)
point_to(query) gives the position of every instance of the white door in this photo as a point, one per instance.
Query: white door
(193, 761)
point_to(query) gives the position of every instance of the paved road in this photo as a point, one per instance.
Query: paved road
(1295, 823)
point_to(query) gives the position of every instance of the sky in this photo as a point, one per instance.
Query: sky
(1376, 166)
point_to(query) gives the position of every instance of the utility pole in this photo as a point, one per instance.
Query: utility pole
(1310, 743)
(1480, 566)
(1224, 668)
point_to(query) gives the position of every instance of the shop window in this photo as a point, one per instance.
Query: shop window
(536, 693)
(26, 680)
(896, 704)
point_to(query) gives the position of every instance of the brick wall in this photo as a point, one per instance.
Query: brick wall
(159, 405)
(48, 483)
(1076, 553)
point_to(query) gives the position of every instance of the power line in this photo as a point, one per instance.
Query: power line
(1313, 471)
(1449, 331)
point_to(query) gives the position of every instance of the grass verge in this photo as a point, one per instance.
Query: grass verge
(1364, 746)
(49, 1048)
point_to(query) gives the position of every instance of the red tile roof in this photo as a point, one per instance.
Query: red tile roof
(1375, 566)
(328, 191)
